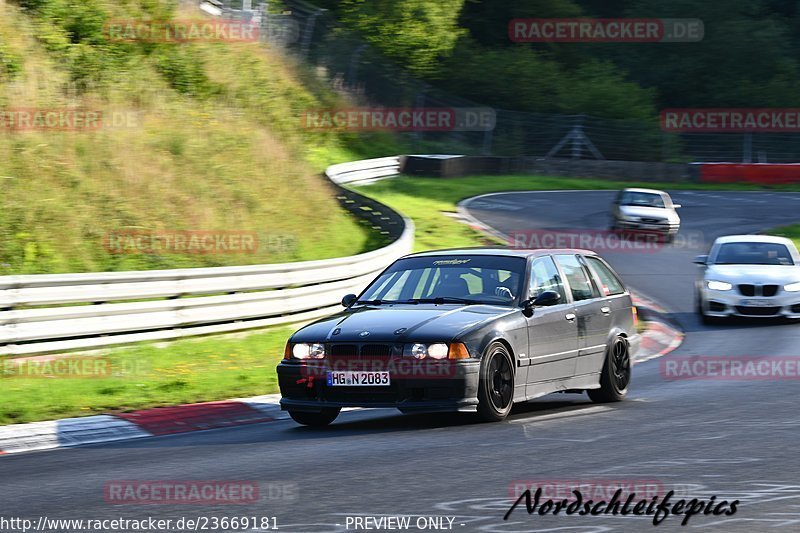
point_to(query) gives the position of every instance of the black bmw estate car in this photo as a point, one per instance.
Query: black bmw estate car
(466, 330)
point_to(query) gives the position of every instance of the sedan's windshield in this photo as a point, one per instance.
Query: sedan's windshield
(753, 253)
(642, 199)
(457, 279)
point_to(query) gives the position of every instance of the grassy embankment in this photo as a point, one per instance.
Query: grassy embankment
(211, 142)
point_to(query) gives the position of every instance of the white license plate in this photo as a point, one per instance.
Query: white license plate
(756, 303)
(358, 379)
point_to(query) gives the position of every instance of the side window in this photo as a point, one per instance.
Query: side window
(610, 282)
(579, 282)
(545, 277)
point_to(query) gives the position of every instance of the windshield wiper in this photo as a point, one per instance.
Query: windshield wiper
(373, 302)
(446, 300)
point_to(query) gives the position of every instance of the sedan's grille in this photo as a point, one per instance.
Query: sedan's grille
(757, 311)
(376, 350)
(368, 351)
(653, 220)
(758, 290)
(344, 350)
(769, 290)
(747, 290)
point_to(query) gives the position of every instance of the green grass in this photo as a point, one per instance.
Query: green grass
(216, 146)
(792, 232)
(147, 375)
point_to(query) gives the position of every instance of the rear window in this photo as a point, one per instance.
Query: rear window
(578, 279)
(610, 283)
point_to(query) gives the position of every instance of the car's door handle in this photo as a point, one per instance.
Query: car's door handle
(605, 310)
(570, 316)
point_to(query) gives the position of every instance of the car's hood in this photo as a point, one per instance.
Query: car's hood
(754, 274)
(649, 212)
(399, 323)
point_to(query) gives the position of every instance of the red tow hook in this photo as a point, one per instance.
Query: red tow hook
(309, 380)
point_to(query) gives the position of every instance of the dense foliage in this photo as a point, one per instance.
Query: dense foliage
(748, 57)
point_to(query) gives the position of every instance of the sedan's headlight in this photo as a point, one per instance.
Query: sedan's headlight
(792, 287)
(308, 351)
(719, 285)
(437, 350)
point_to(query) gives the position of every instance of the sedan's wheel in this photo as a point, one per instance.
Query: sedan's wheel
(496, 387)
(317, 419)
(616, 374)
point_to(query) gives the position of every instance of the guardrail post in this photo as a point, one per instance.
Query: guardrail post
(747, 148)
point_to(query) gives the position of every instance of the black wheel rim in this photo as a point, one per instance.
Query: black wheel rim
(500, 381)
(621, 365)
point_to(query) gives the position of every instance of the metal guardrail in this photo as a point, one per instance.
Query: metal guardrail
(37, 312)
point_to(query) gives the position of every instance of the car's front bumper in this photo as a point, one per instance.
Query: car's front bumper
(667, 229)
(304, 387)
(732, 303)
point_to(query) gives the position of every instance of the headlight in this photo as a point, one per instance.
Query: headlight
(792, 287)
(308, 351)
(437, 350)
(719, 285)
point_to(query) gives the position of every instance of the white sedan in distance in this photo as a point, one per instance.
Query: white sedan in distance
(645, 210)
(749, 275)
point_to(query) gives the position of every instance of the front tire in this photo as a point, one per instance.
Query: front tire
(615, 378)
(317, 419)
(496, 386)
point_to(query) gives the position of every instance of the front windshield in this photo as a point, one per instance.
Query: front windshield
(459, 279)
(641, 199)
(753, 253)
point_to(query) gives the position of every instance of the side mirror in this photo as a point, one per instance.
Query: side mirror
(676, 206)
(543, 300)
(701, 260)
(547, 298)
(349, 299)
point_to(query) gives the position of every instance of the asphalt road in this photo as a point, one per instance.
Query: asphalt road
(735, 440)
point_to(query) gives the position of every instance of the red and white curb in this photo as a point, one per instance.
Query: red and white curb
(154, 422)
(137, 424)
(66, 432)
(658, 340)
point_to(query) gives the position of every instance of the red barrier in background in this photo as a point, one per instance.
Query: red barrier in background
(763, 173)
